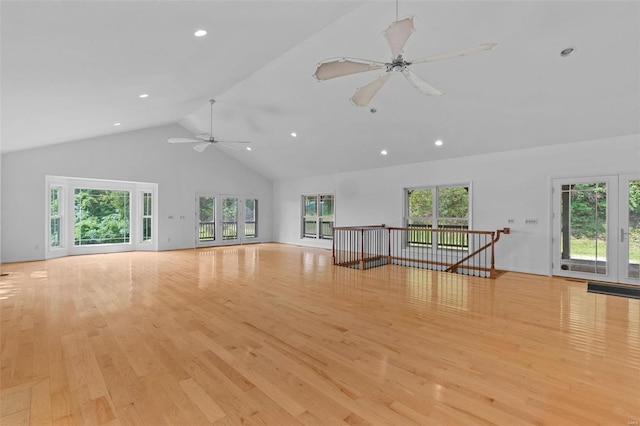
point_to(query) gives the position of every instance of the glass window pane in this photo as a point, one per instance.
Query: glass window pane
(454, 237)
(146, 229)
(584, 227)
(309, 230)
(249, 210)
(250, 215)
(326, 205)
(146, 204)
(420, 203)
(147, 209)
(310, 208)
(101, 216)
(229, 218)
(55, 194)
(453, 202)
(206, 209)
(206, 214)
(54, 236)
(54, 215)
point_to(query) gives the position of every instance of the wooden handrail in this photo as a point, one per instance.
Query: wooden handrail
(376, 252)
(495, 236)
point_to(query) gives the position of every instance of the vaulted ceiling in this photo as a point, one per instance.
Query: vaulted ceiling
(71, 70)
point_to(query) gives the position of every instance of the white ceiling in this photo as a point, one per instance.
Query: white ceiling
(69, 70)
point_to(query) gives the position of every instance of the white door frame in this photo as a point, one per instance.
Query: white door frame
(612, 226)
(622, 236)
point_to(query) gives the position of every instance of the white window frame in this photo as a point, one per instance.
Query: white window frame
(255, 219)
(435, 215)
(58, 250)
(317, 217)
(66, 210)
(219, 219)
(142, 216)
(216, 222)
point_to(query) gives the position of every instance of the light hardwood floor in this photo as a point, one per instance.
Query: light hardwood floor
(275, 334)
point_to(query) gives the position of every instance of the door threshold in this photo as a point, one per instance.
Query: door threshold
(623, 290)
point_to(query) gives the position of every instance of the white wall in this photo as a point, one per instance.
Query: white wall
(139, 156)
(507, 185)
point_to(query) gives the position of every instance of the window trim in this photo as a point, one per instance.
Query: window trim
(218, 215)
(205, 243)
(142, 216)
(69, 185)
(61, 215)
(318, 236)
(435, 208)
(254, 221)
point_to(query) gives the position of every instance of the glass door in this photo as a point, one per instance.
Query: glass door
(584, 223)
(629, 229)
(596, 228)
(205, 219)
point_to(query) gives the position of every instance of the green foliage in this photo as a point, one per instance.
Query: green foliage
(588, 209)
(229, 209)
(101, 216)
(453, 202)
(207, 209)
(421, 203)
(326, 205)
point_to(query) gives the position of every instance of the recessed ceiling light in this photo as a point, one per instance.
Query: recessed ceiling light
(438, 143)
(116, 124)
(248, 148)
(567, 51)
(294, 135)
(383, 152)
(144, 95)
(200, 33)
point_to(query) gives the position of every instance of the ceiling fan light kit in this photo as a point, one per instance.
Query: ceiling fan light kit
(397, 35)
(206, 139)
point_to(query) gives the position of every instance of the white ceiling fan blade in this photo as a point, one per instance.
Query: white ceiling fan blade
(182, 140)
(201, 146)
(232, 141)
(456, 53)
(420, 84)
(204, 136)
(224, 144)
(397, 35)
(332, 68)
(364, 94)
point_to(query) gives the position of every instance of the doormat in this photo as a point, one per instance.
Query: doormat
(614, 290)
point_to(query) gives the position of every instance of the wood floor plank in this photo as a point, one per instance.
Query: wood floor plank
(275, 334)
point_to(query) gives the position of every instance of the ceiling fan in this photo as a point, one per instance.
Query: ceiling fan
(205, 139)
(397, 35)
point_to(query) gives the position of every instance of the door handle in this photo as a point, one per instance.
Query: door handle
(622, 234)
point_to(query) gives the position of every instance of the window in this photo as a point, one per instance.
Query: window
(207, 221)
(86, 215)
(147, 216)
(318, 216)
(225, 218)
(55, 218)
(101, 216)
(250, 218)
(229, 218)
(440, 207)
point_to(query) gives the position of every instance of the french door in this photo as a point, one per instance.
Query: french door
(596, 228)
